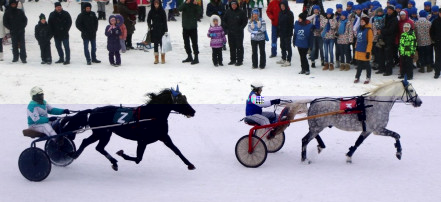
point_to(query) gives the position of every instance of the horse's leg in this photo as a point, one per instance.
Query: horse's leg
(86, 142)
(321, 145)
(352, 149)
(305, 141)
(396, 136)
(103, 141)
(139, 153)
(168, 142)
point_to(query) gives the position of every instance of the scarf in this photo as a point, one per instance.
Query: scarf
(326, 29)
(341, 29)
(317, 22)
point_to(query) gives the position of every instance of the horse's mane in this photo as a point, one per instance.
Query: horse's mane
(381, 86)
(163, 97)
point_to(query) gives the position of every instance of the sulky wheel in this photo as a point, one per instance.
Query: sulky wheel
(58, 150)
(275, 143)
(254, 159)
(34, 164)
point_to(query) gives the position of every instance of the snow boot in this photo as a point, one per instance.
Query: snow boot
(162, 58)
(326, 66)
(421, 70)
(286, 64)
(196, 60)
(281, 62)
(156, 58)
(331, 66)
(189, 59)
(429, 68)
(342, 66)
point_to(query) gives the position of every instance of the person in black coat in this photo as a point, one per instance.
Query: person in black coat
(87, 23)
(157, 23)
(60, 23)
(15, 20)
(435, 35)
(389, 32)
(43, 34)
(234, 22)
(285, 31)
(215, 7)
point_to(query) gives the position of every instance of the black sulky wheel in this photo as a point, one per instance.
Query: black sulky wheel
(59, 149)
(273, 144)
(34, 164)
(254, 159)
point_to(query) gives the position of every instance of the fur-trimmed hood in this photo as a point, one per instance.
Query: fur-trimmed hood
(215, 17)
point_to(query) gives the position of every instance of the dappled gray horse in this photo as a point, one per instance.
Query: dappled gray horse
(382, 100)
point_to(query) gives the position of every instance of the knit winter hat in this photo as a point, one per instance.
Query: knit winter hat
(413, 11)
(339, 6)
(399, 6)
(233, 2)
(329, 11)
(13, 2)
(87, 4)
(403, 13)
(42, 16)
(412, 2)
(427, 3)
(345, 13)
(378, 10)
(376, 3)
(316, 7)
(435, 9)
(56, 4)
(392, 2)
(390, 7)
(406, 25)
(255, 11)
(357, 7)
(423, 13)
(350, 3)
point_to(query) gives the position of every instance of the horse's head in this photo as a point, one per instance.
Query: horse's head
(180, 103)
(410, 95)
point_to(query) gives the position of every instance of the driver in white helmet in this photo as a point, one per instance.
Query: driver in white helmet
(38, 111)
(255, 104)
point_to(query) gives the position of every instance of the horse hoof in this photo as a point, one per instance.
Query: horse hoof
(399, 155)
(306, 162)
(319, 149)
(191, 167)
(349, 160)
(115, 167)
(120, 152)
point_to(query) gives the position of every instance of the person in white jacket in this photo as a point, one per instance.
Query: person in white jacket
(3, 32)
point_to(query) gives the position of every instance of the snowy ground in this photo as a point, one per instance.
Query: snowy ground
(208, 139)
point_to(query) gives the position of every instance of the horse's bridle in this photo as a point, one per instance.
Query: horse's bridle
(408, 95)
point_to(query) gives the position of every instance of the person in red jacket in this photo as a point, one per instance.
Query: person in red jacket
(273, 11)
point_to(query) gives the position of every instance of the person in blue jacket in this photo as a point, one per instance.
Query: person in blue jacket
(255, 103)
(302, 39)
(38, 110)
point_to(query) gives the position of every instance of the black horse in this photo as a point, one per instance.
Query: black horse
(158, 109)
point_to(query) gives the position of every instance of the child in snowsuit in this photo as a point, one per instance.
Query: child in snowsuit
(217, 35)
(38, 110)
(303, 39)
(113, 32)
(257, 28)
(123, 37)
(407, 50)
(43, 34)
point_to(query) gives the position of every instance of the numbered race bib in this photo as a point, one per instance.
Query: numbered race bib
(123, 115)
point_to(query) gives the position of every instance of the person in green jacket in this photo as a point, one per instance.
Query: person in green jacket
(407, 50)
(190, 15)
(38, 110)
